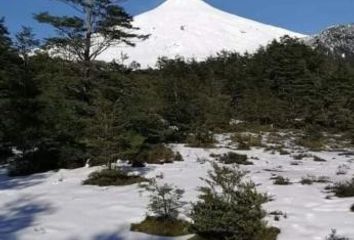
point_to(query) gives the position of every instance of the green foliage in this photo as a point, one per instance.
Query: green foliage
(318, 159)
(33, 162)
(162, 227)
(157, 154)
(313, 139)
(234, 158)
(202, 138)
(112, 177)
(25, 43)
(246, 141)
(229, 207)
(280, 180)
(107, 111)
(307, 181)
(179, 157)
(165, 200)
(77, 34)
(103, 133)
(270, 233)
(343, 189)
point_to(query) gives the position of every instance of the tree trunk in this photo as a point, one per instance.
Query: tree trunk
(88, 38)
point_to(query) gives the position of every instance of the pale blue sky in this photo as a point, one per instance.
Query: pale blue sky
(305, 16)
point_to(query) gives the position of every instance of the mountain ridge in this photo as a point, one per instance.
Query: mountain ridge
(194, 29)
(336, 39)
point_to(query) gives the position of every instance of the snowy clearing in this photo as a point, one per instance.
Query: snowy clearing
(56, 206)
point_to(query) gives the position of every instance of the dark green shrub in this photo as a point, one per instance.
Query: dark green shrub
(243, 146)
(246, 141)
(114, 177)
(283, 152)
(280, 180)
(34, 162)
(165, 204)
(343, 189)
(270, 233)
(278, 148)
(306, 181)
(178, 157)
(318, 159)
(301, 156)
(5, 153)
(229, 208)
(202, 138)
(162, 227)
(309, 180)
(165, 200)
(313, 140)
(214, 155)
(234, 158)
(157, 154)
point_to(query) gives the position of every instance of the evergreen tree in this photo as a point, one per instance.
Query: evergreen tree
(9, 69)
(25, 43)
(104, 133)
(165, 200)
(99, 25)
(229, 207)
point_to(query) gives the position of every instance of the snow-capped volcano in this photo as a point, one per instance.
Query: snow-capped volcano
(194, 29)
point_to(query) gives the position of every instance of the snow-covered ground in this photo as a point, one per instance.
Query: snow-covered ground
(56, 206)
(193, 29)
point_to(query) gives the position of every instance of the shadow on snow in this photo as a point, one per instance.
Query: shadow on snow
(9, 183)
(19, 215)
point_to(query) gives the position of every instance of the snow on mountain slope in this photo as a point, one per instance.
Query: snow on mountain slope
(194, 29)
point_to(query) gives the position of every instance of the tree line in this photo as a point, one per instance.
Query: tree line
(65, 109)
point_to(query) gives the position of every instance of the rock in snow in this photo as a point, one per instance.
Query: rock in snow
(193, 29)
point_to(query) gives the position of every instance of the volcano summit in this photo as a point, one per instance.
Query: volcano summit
(193, 29)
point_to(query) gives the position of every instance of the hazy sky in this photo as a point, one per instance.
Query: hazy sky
(305, 16)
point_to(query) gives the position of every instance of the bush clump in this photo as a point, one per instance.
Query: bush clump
(230, 208)
(33, 162)
(235, 158)
(343, 189)
(5, 153)
(309, 180)
(202, 138)
(164, 206)
(246, 141)
(179, 157)
(165, 200)
(158, 154)
(318, 159)
(112, 177)
(313, 140)
(280, 180)
(162, 227)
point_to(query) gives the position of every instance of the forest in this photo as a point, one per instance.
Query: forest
(61, 109)
(55, 117)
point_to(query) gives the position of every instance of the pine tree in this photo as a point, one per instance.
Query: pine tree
(25, 43)
(229, 207)
(9, 62)
(165, 200)
(99, 25)
(103, 134)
